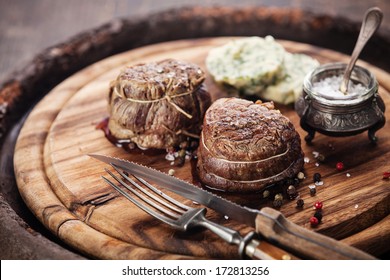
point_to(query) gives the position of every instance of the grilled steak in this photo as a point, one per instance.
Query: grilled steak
(245, 146)
(158, 104)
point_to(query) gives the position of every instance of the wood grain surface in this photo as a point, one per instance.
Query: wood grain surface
(63, 187)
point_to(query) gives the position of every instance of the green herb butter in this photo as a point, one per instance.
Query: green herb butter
(248, 64)
(289, 88)
(260, 66)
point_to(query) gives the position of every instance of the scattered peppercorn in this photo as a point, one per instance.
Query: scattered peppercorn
(318, 215)
(181, 157)
(301, 176)
(292, 192)
(181, 161)
(386, 175)
(278, 196)
(321, 158)
(300, 202)
(316, 177)
(171, 172)
(266, 194)
(277, 203)
(318, 205)
(131, 146)
(340, 166)
(313, 190)
(182, 153)
(314, 221)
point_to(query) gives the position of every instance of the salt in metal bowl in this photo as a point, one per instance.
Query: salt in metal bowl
(340, 115)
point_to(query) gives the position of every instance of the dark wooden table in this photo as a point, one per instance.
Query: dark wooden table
(27, 28)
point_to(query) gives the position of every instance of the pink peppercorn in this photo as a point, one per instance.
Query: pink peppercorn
(318, 205)
(314, 221)
(340, 166)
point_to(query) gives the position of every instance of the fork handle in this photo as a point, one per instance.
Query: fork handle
(304, 243)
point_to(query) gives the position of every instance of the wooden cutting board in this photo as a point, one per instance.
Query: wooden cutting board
(62, 185)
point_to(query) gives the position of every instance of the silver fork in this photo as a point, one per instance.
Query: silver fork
(176, 214)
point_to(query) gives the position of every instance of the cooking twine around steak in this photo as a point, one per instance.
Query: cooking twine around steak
(120, 93)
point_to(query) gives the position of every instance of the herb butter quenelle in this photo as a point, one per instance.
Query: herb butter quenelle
(261, 67)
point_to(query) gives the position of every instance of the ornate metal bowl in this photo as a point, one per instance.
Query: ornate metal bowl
(342, 115)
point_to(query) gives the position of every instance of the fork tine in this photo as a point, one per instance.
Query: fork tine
(180, 208)
(144, 198)
(152, 188)
(140, 205)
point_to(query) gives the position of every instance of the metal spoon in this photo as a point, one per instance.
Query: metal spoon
(372, 20)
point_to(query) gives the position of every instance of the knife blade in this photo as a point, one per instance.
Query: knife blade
(268, 222)
(234, 211)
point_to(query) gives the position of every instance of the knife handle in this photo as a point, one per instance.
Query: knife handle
(259, 249)
(304, 243)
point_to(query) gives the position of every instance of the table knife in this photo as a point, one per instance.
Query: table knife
(269, 223)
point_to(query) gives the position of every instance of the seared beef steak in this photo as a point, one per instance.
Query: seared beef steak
(158, 104)
(245, 146)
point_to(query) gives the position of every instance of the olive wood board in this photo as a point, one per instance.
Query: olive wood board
(63, 187)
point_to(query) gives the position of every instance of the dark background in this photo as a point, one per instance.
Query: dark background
(29, 26)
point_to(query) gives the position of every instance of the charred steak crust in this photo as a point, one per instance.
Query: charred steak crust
(245, 146)
(158, 104)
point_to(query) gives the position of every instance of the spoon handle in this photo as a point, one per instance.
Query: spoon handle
(372, 20)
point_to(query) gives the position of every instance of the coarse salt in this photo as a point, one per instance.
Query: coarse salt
(330, 87)
(170, 157)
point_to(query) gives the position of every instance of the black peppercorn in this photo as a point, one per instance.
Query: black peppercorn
(318, 215)
(277, 203)
(321, 158)
(300, 202)
(181, 161)
(316, 177)
(313, 191)
(292, 192)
